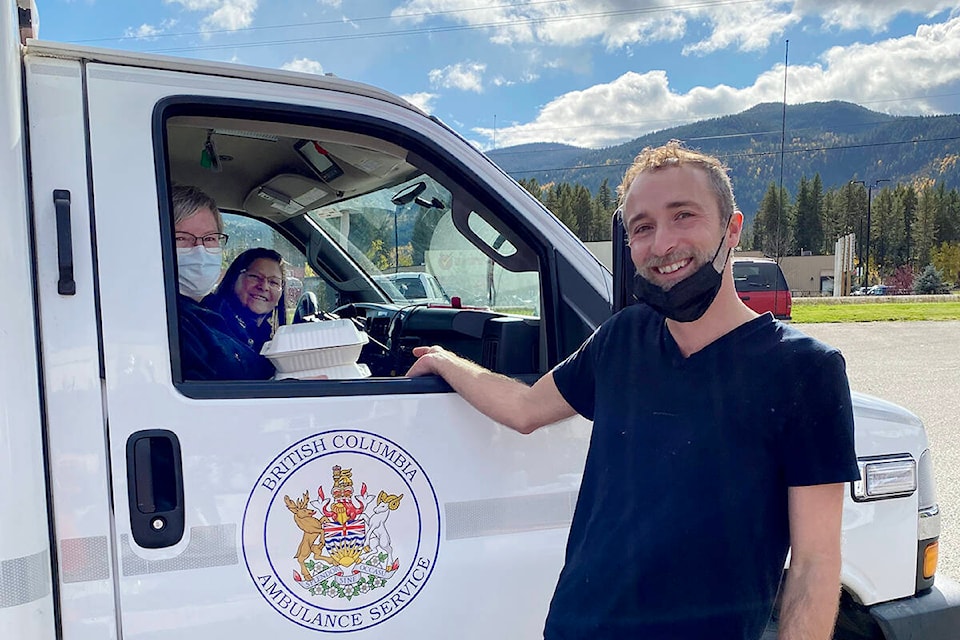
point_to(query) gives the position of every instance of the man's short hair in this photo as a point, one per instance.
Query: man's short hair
(187, 200)
(674, 154)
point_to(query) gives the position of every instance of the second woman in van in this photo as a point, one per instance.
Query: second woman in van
(250, 297)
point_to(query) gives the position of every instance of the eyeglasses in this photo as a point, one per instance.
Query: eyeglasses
(254, 279)
(210, 241)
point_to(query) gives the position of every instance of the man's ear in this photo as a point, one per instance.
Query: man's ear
(735, 228)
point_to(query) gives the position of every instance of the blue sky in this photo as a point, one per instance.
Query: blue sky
(591, 73)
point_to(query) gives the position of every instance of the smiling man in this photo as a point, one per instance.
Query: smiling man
(721, 438)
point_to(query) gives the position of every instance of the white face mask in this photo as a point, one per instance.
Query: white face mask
(199, 270)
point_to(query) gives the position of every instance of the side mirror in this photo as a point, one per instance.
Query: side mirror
(623, 269)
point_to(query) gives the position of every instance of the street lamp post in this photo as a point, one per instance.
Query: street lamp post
(866, 257)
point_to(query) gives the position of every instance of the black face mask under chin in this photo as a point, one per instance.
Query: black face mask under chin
(688, 299)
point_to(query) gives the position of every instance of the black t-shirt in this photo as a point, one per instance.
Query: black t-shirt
(681, 527)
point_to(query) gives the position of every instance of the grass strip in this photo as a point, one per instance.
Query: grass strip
(876, 312)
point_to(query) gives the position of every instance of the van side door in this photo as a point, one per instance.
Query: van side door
(380, 506)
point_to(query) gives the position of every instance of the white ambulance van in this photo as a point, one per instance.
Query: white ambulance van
(138, 504)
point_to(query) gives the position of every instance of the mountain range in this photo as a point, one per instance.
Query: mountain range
(839, 140)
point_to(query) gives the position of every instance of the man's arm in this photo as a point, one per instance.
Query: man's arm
(812, 590)
(508, 401)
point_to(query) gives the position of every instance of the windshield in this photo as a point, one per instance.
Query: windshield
(405, 238)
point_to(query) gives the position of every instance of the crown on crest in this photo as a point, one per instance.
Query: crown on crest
(342, 481)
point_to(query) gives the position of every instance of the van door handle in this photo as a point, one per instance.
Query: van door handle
(66, 285)
(155, 488)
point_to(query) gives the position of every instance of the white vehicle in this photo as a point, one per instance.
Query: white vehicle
(412, 286)
(136, 504)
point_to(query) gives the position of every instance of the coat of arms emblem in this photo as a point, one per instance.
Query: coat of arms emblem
(345, 549)
(341, 531)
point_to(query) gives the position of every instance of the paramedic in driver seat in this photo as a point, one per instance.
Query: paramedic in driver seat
(208, 351)
(720, 437)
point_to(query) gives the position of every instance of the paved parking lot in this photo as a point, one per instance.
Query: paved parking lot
(916, 365)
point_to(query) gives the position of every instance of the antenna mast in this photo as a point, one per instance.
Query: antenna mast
(783, 137)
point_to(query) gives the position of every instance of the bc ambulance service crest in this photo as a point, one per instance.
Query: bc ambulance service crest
(341, 531)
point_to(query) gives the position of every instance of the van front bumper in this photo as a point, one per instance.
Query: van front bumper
(933, 615)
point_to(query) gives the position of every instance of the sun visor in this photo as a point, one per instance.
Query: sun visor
(284, 196)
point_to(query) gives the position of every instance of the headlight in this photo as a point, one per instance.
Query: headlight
(884, 477)
(927, 482)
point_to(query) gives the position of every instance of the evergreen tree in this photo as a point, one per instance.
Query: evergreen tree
(906, 197)
(603, 207)
(886, 233)
(770, 228)
(948, 223)
(831, 221)
(551, 199)
(924, 234)
(816, 196)
(532, 186)
(566, 211)
(581, 211)
(941, 219)
(930, 281)
(807, 229)
(605, 197)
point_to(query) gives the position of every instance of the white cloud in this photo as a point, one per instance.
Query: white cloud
(907, 68)
(232, 15)
(228, 15)
(303, 65)
(144, 31)
(329, 3)
(638, 103)
(870, 14)
(523, 77)
(148, 31)
(196, 5)
(423, 100)
(608, 113)
(744, 26)
(466, 76)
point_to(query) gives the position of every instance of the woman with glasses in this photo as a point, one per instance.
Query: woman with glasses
(208, 348)
(250, 297)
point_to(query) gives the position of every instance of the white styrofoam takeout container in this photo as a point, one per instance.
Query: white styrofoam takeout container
(340, 372)
(305, 348)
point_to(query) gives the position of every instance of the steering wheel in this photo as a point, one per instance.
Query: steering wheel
(307, 305)
(395, 336)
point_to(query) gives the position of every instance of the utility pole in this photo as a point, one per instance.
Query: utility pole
(783, 139)
(866, 256)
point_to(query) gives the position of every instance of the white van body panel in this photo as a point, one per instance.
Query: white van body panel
(882, 428)
(210, 69)
(26, 601)
(71, 354)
